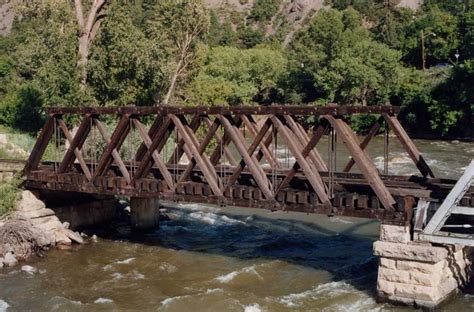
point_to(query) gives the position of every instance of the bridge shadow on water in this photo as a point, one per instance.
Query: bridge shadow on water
(341, 252)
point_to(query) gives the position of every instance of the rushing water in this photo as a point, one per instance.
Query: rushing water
(226, 259)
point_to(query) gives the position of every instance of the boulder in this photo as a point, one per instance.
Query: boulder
(29, 202)
(61, 238)
(10, 259)
(29, 269)
(74, 236)
(34, 214)
(50, 223)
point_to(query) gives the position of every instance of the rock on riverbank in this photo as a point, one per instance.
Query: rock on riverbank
(31, 228)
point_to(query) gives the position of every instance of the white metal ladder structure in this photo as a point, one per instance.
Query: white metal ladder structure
(432, 231)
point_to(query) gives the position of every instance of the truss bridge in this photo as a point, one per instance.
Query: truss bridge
(260, 157)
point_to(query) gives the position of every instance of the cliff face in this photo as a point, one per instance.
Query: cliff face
(6, 19)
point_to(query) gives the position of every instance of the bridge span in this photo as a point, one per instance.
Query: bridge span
(233, 156)
(230, 156)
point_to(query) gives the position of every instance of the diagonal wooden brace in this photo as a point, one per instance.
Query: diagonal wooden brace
(155, 155)
(251, 162)
(363, 161)
(113, 145)
(305, 152)
(158, 141)
(372, 132)
(40, 146)
(409, 146)
(296, 149)
(302, 136)
(253, 128)
(192, 152)
(74, 147)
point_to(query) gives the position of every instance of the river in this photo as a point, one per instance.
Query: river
(227, 259)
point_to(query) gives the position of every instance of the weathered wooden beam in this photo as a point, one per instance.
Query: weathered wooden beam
(112, 146)
(220, 142)
(74, 146)
(40, 146)
(192, 152)
(302, 136)
(305, 151)
(178, 152)
(216, 155)
(372, 132)
(363, 161)
(252, 128)
(155, 155)
(250, 151)
(296, 149)
(155, 126)
(251, 162)
(202, 147)
(158, 141)
(303, 110)
(408, 144)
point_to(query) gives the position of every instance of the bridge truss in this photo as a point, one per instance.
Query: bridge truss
(230, 156)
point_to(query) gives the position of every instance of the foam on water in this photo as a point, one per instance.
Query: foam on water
(103, 300)
(126, 261)
(168, 268)
(230, 276)
(170, 300)
(331, 289)
(213, 219)
(137, 275)
(3, 305)
(255, 307)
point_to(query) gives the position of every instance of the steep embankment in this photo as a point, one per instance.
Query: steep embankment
(6, 19)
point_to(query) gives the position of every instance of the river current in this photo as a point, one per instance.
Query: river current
(208, 258)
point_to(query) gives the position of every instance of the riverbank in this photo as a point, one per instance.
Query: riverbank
(31, 228)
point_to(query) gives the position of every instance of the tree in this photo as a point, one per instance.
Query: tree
(440, 29)
(336, 60)
(178, 26)
(88, 26)
(125, 66)
(231, 76)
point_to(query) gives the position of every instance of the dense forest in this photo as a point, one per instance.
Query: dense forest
(186, 52)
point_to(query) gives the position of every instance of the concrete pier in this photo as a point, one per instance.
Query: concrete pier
(144, 213)
(417, 273)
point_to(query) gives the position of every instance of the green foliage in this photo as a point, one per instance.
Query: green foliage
(338, 61)
(264, 10)
(441, 39)
(124, 67)
(231, 76)
(9, 194)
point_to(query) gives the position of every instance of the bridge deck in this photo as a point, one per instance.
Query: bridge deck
(352, 197)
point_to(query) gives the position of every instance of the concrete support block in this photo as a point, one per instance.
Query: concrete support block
(144, 213)
(417, 274)
(394, 233)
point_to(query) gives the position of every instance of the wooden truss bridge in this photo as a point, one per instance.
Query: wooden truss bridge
(229, 156)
